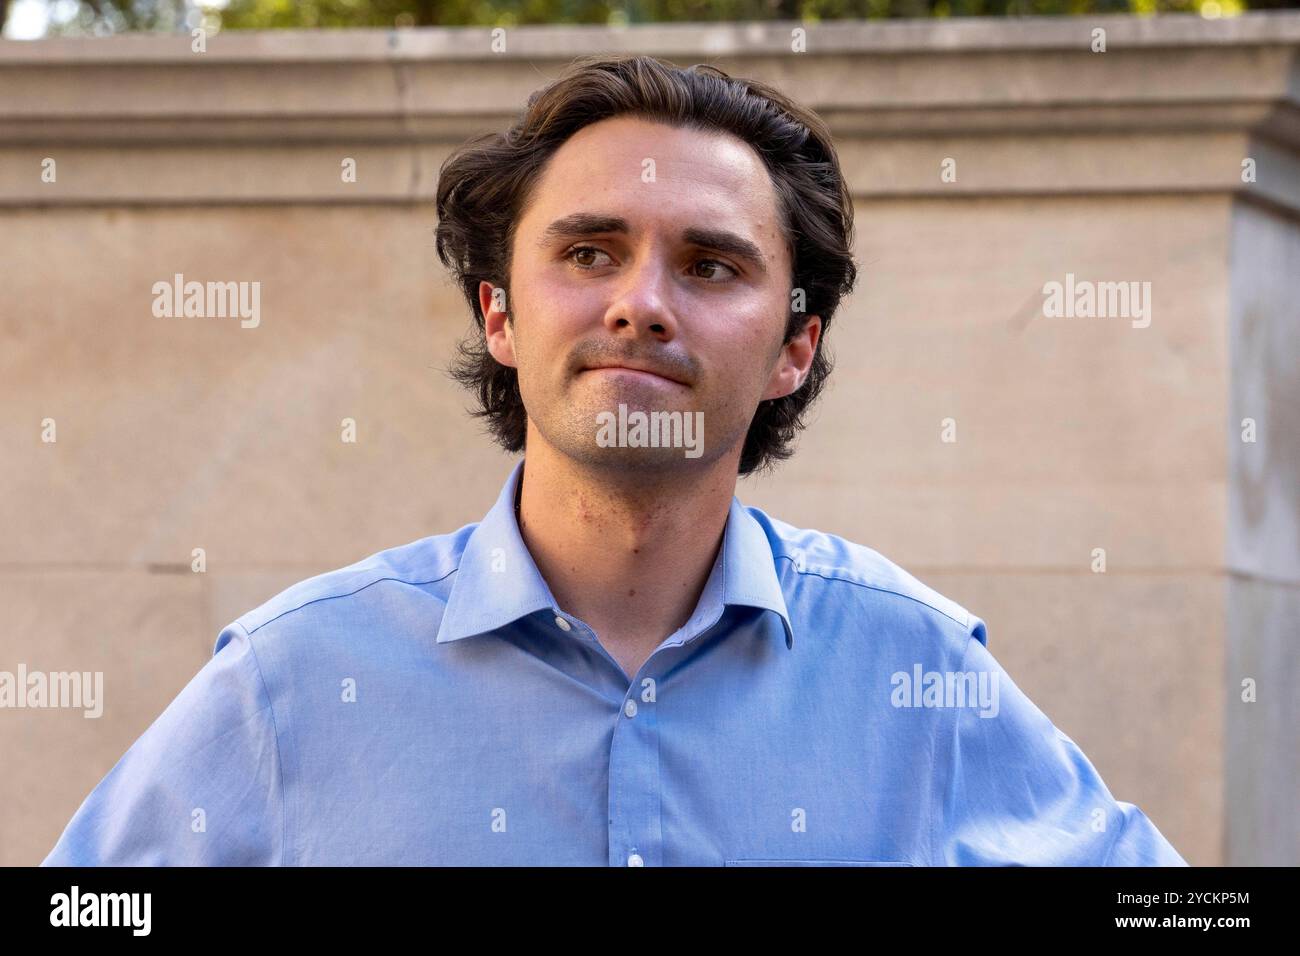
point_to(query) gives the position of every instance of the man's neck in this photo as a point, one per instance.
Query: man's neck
(626, 552)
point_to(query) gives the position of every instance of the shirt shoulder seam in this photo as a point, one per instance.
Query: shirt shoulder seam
(331, 597)
(874, 587)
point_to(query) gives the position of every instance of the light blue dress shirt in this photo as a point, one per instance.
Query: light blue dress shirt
(433, 705)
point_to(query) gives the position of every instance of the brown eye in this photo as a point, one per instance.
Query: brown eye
(583, 250)
(714, 263)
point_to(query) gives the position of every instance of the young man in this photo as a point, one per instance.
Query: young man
(621, 664)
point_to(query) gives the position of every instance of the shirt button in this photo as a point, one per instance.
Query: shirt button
(630, 707)
(635, 860)
(562, 624)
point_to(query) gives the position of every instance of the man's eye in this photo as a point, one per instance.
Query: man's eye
(713, 264)
(582, 250)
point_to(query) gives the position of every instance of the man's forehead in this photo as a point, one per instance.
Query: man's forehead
(650, 173)
(631, 147)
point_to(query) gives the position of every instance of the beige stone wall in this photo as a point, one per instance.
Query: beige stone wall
(1073, 434)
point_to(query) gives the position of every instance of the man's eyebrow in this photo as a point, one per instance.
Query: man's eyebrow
(590, 224)
(728, 243)
(583, 224)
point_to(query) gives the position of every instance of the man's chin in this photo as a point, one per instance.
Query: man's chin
(643, 460)
(630, 436)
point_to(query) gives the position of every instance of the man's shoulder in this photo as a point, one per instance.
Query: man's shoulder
(846, 564)
(422, 563)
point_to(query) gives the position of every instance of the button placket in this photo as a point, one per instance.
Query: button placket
(635, 788)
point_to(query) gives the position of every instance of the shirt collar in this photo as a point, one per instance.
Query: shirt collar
(497, 581)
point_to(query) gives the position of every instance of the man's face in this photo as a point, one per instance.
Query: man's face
(696, 286)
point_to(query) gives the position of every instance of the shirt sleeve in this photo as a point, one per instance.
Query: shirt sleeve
(1021, 792)
(200, 787)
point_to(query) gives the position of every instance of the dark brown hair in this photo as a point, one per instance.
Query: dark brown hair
(485, 187)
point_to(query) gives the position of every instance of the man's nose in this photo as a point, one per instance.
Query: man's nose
(643, 303)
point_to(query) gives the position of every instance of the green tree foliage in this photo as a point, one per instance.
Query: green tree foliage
(116, 16)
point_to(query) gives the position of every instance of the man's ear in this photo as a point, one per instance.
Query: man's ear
(497, 328)
(795, 361)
